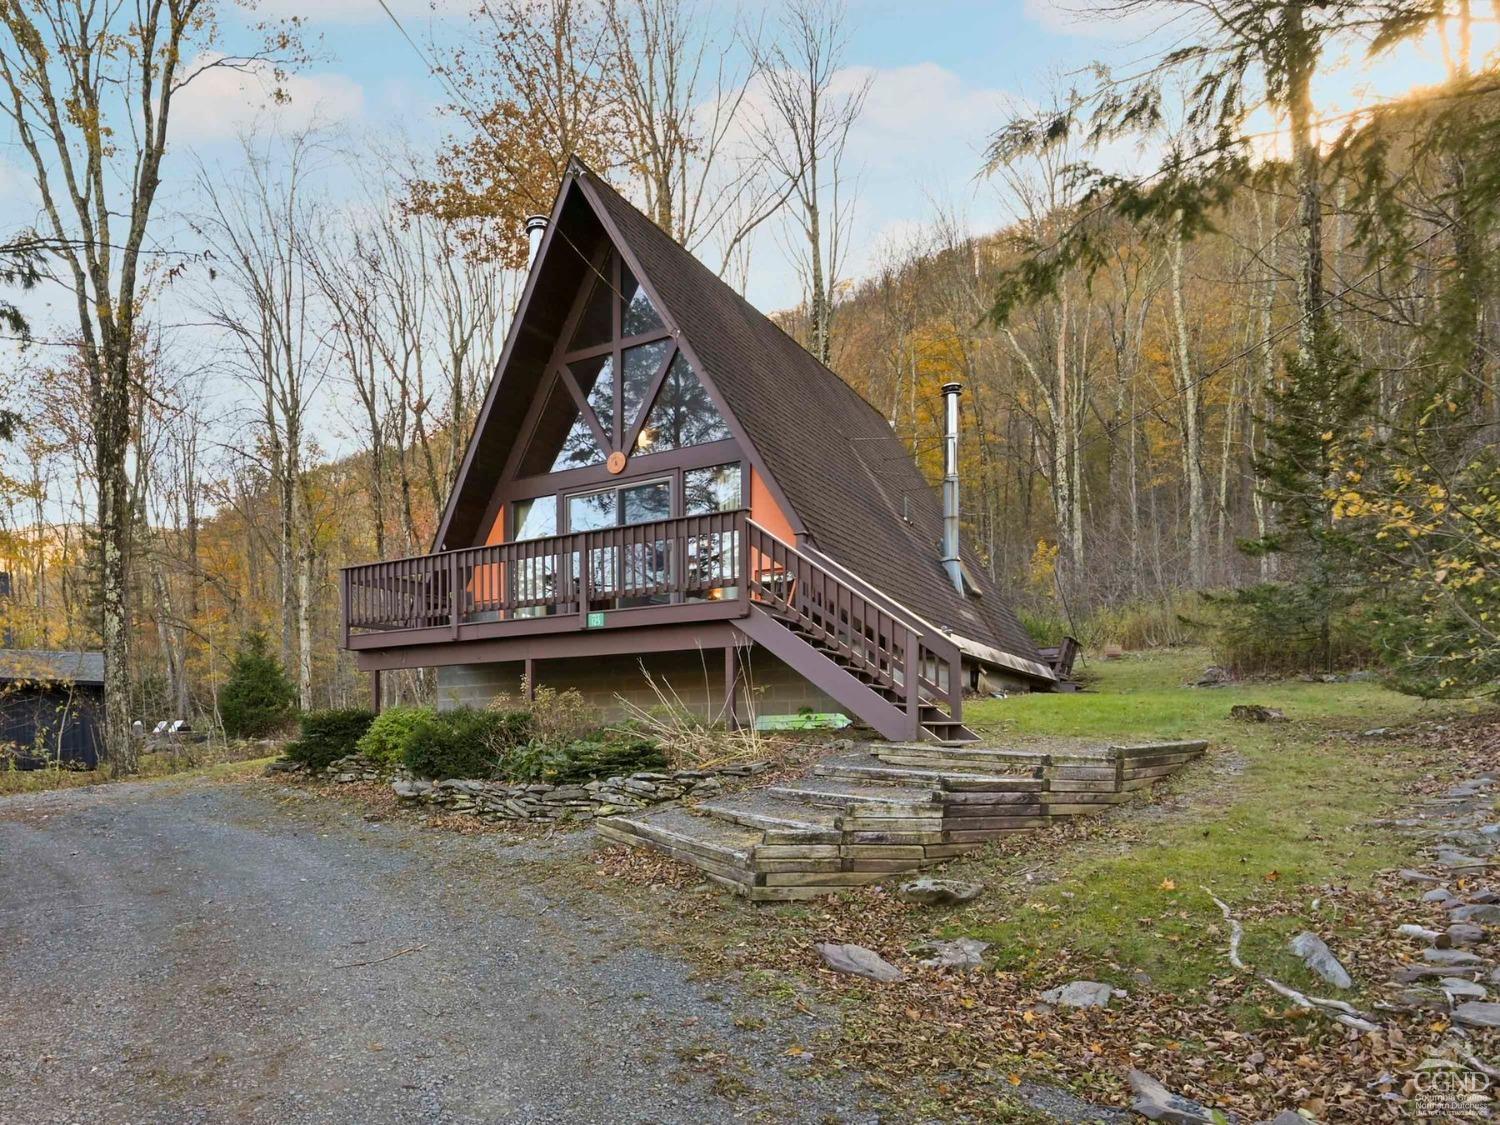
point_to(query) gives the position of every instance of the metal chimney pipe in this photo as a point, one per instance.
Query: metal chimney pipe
(535, 225)
(951, 391)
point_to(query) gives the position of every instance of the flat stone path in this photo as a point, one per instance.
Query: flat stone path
(195, 952)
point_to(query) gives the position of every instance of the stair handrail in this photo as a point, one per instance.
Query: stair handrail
(926, 631)
(926, 634)
(936, 639)
(844, 574)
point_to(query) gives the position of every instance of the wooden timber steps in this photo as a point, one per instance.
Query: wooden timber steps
(889, 808)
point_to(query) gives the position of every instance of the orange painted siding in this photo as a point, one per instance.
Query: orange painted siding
(765, 511)
(487, 582)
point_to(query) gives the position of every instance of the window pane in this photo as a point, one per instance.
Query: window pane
(534, 579)
(647, 502)
(596, 325)
(639, 315)
(641, 364)
(682, 415)
(593, 510)
(535, 519)
(563, 440)
(596, 379)
(579, 448)
(715, 489)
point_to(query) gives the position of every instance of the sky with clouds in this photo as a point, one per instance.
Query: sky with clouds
(940, 72)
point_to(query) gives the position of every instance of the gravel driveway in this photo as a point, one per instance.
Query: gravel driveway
(186, 952)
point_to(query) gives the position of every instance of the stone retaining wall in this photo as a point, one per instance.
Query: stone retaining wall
(543, 801)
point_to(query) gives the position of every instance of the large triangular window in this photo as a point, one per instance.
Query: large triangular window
(595, 377)
(618, 383)
(682, 414)
(640, 367)
(596, 321)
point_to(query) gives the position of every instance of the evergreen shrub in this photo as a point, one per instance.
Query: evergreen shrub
(257, 699)
(464, 743)
(386, 740)
(328, 736)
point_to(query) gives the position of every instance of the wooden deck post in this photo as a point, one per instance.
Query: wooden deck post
(584, 595)
(529, 671)
(375, 690)
(732, 686)
(455, 598)
(911, 662)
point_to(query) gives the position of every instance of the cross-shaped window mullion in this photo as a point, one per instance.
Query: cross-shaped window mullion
(581, 401)
(616, 303)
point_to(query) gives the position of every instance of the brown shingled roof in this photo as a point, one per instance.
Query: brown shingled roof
(854, 487)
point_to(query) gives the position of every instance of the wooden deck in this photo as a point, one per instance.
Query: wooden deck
(690, 569)
(696, 582)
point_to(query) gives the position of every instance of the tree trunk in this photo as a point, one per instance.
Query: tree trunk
(1307, 173)
(1265, 226)
(819, 310)
(114, 574)
(304, 624)
(1192, 435)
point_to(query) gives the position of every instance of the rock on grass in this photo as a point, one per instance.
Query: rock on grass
(1156, 1102)
(1319, 958)
(1080, 994)
(858, 961)
(1477, 1014)
(960, 953)
(1477, 912)
(939, 892)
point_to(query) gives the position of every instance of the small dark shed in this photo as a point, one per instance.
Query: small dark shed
(51, 707)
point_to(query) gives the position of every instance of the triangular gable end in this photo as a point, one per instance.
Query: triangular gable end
(636, 390)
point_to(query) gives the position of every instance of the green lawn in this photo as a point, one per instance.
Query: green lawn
(1273, 811)
(1149, 696)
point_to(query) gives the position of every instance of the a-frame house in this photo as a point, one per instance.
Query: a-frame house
(661, 480)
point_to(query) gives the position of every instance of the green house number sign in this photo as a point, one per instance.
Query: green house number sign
(596, 619)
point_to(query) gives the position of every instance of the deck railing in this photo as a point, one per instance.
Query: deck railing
(677, 566)
(665, 562)
(845, 614)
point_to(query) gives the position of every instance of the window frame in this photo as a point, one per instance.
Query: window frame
(512, 487)
(672, 474)
(671, 480)
(615, 348)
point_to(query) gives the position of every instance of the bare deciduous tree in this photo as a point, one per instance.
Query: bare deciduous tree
(89, 89)
(265, 301)
(803, 135)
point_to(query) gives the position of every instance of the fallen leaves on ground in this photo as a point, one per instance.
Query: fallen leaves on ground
(970, 1038)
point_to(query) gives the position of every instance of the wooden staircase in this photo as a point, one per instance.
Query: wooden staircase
(883, 664)
(887, 809)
